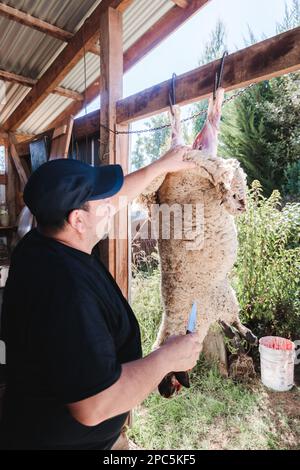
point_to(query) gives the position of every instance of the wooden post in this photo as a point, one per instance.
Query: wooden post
(113, 149)
(11, 188)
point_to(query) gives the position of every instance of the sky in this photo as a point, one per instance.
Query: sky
(181, 51)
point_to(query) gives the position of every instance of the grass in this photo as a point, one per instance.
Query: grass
(215, 413)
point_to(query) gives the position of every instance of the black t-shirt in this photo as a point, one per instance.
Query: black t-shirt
(67, 329)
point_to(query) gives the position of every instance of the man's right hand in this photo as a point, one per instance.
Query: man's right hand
(182, 352)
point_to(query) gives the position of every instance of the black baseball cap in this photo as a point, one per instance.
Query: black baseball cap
(61, 185)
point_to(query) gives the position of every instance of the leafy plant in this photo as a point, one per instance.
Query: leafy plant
(267, 273)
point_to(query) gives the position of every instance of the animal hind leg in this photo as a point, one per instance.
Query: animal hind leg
(245, 332)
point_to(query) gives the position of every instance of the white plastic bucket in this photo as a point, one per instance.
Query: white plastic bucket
(277, 357)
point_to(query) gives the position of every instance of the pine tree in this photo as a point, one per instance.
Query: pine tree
(262, 127)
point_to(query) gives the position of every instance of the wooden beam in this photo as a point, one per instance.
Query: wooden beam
(115, 249)
(124, 5)
(181, 3)
(3, 179)
(262, 61)
(3, 134)
(30, 82)
(40, 25)
(156, 34)
(32, 22)
(61, 66)
(267, 59)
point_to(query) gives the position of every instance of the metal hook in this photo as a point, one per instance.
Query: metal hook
(219, 74)
(172, 93)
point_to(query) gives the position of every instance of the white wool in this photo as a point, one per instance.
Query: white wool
(197, 267)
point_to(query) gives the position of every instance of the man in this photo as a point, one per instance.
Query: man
(74, 358)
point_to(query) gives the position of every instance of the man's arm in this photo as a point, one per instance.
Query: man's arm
(138, 379)
(136, 182)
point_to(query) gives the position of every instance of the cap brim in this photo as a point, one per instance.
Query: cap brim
(108, 180)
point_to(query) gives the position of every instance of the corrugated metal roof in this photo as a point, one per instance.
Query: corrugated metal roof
(29, 52)
(45, 113)
(75, 79)
(140, 16)
(11, 95)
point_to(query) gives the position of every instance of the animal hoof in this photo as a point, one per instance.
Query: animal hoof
(183, 378)
(169, 386)
(251, 338)
(227, 329)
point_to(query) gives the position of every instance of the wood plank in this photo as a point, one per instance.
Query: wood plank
(3, 135)
(181, 3)
(61, 66)
(123, 260)
(40, 25)
(11, 190)
(267, 59)
(156, 34)
(31, 21)
(61, 140)
(3, 179)
(30, 82)
(23, 176)
(59, 131)
(124, 5)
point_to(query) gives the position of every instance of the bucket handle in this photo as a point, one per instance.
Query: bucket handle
(297, 351)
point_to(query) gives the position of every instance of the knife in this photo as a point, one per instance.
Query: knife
(183, 377)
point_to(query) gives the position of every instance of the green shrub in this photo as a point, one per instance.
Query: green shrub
(266, 275)
(292, 180)
(146, 304)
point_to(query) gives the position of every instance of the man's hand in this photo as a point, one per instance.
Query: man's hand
(182, 352)
(173, 159)
(135, 183)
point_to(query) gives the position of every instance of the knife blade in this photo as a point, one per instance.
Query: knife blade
(192, 322)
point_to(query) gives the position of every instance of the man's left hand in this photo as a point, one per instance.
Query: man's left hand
(173, 159)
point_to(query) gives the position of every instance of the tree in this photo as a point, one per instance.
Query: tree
(149, 146)
(291, 18)
(213, 49)
(261, 128)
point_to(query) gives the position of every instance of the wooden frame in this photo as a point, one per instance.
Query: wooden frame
(64, 62)
(283, 56)
(115, 250)
(30, 82)
(267, 59)
(165, 26)
(40, 25)
(264, 60)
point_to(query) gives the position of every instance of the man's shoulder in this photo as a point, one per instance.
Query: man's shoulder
(38, 257)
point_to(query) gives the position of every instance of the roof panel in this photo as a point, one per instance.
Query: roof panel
(66, 14)
(44, 114)
(29, 52)
(11, 95)
(140, 16)
(75, 79)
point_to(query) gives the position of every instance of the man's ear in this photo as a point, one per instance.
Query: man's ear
(76, 220)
